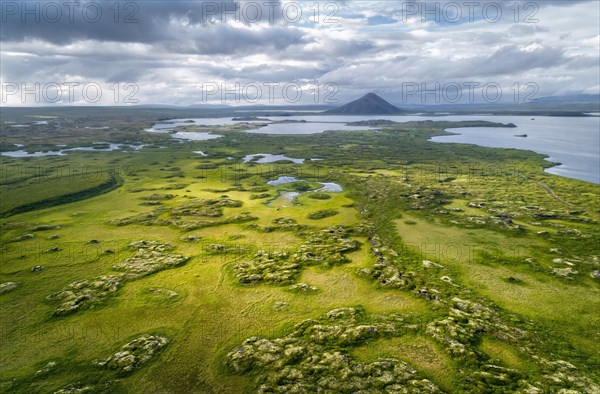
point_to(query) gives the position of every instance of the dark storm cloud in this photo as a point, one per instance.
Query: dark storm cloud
(503, 3)
(95, 64)
(225, 39)
(348, 48)
(329, 50)
(506, 62)
(510, 60)
(561, 3)
(453, 12)
(268, 73)
(173, 47)
(525, 30)
(63, 22)
(583, 62)
(129, 75)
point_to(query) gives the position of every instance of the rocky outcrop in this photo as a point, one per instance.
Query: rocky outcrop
(304, 361)
(326, 247)
(85, 293)
(134, 354)
(150, 257)
(7, 286)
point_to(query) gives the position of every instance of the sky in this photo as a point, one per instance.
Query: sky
(296, 52)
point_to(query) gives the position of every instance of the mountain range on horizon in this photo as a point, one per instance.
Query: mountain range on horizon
(373, 104)
(363, 103)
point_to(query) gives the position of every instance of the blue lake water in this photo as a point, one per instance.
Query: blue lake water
(195, 136)
(304, 128)
(572, 141)
(265, 158)
(310, 127)
(326, 186)
(282, 180)
(330, 187)
(62, 152)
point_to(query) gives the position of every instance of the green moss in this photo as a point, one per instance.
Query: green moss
(322, 214)
(319, 196)
(486, 302)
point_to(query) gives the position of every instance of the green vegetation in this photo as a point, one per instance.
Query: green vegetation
(439, 268)
(319, 196)
(322, 214)
(300, 186)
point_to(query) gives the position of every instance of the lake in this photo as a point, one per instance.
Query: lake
(110, 148)
(304, 128)
(572, 141)
(291, 196)
(264, 158)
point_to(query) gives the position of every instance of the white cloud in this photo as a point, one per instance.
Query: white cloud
(373, 45)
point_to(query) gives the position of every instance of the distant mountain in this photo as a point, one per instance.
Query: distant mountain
(209, 106)
(573, 98)
(154, 106)
(369, 104)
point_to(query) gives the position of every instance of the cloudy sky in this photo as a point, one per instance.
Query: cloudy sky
(245, 52)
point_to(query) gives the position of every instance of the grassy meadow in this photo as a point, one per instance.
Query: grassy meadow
(438, 268)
